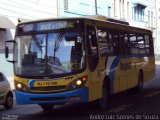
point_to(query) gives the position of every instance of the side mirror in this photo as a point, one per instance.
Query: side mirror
(9, 45)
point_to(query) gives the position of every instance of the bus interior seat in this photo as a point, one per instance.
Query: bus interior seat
(28, 59)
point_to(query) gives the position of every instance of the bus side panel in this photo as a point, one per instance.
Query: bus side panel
(132, 72)
(113, 73)
(149, 68)
(117, 74)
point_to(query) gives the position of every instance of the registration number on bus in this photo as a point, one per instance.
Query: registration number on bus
(45, 83)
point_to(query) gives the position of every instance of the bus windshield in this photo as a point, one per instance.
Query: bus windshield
(48, 53)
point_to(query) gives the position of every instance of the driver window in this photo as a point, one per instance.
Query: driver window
(92, 41)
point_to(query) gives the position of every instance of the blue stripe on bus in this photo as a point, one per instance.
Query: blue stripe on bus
(112, 73)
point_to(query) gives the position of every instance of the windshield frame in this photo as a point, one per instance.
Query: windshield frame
(47, 33)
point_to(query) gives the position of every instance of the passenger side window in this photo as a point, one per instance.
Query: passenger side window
(92, 48)
(104, 43)
(147, 43)
(125, 43)
(141, 43)
(133, 44)
(113, 37)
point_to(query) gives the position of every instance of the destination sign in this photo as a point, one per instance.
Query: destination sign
(54, 25)
(47, 26)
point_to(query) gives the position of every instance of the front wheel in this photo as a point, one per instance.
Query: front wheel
(47, 107)
(103, 102)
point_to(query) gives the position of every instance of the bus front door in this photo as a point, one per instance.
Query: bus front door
(93, 60)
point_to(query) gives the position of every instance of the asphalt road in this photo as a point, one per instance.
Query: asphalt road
(122, 106)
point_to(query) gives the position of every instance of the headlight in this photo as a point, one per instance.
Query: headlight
(19, 85)
(77, 83)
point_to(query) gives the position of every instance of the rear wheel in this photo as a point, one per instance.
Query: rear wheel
(139, 88)
(9, 101)
(47, 107)
(103, 102)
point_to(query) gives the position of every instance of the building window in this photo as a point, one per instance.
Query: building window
(138, 14)
(109, 11)
(151, 19)
(120, 6)
(128, 11)
(154, 22)
(115, 12)
(65, 5)
(133, 13)
(148, 18)
(123, 7)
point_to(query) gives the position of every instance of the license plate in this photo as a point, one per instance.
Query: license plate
(45, 83)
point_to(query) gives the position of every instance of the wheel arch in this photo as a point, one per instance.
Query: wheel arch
(10, 93)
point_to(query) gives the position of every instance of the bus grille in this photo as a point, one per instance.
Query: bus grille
(48, 89)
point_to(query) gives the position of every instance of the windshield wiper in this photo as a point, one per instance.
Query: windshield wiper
(37, 43)
(58, 41)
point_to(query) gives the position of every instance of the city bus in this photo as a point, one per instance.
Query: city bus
(77, 60)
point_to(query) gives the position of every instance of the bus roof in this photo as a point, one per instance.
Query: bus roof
(94, 18)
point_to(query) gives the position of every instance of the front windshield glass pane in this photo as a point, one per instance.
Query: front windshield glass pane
(31, 54)
(65, 55)
(49, 53)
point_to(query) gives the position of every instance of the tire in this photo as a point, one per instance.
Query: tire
(9, 101)
(139, 88)
(47, 107)
(103, 102)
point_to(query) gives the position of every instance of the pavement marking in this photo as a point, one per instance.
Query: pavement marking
(120, 108)
(116, 108)
(151, 94)
(154, 94)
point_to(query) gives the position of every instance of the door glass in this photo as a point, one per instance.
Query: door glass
(92, 41)
(92, 48)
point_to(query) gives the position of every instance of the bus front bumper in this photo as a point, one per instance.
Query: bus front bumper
(72, 96)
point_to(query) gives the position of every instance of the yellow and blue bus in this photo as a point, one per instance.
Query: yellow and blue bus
(74, 60)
